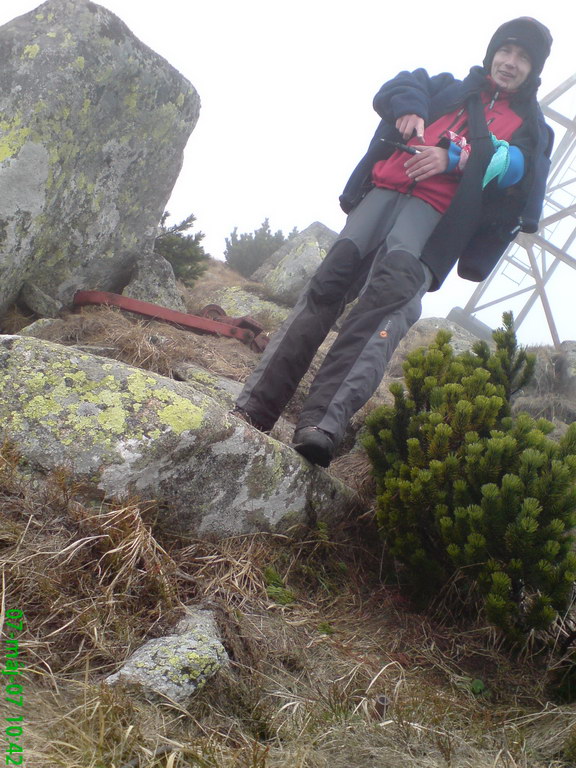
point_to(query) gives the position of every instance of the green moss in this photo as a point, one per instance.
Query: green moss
(275, 588)
(280, 595)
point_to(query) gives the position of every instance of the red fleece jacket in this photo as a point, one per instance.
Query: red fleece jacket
(439, 190)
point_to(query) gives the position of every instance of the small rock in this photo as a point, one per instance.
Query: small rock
(178, 665)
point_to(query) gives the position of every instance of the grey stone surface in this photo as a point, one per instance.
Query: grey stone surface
(37, 327)
(317, 233)
(288, 271)
(178, 665)
(237, 302)
(39, 302)
(153, 280)
(93, 125)
(226, 392)
(129, 432)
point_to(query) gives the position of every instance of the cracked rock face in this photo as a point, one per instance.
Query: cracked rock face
(93, 125)
(129, 432)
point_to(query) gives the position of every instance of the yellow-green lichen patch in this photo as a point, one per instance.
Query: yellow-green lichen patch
(79, 63)
(113, 420)
(139, 385)
(31, 51)
(12, 137)
(41, 407)
(68, 41)
(205, 378)
(91, 406)
(181, 416)
(131, 99)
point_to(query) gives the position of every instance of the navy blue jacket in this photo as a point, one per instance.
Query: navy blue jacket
(479, 224)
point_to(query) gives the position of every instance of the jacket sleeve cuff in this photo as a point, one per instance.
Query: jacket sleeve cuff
(454, 152)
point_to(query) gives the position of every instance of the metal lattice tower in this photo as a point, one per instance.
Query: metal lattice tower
(523, 275)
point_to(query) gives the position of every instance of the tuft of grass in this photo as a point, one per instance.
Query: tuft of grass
(276, 589)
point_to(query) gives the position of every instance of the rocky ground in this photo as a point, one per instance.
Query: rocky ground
(320, 660)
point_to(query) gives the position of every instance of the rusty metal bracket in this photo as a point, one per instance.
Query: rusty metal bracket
(244, 329)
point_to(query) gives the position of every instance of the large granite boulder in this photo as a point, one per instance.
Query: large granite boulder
(125, 432)
(290, 268)
(93, 125)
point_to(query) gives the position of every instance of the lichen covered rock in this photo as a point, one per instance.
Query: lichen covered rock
(129, 432)
(175, 666)
(93, 125)
(237, 302)
(288, 270)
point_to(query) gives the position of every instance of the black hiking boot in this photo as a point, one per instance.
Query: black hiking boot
(314, 444)
(245, 416)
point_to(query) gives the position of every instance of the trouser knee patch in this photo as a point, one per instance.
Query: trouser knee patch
(396, 279)
(336, 273)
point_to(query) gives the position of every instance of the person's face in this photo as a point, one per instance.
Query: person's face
(511, 66)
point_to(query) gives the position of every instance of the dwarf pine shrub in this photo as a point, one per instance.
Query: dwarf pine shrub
(471, 496)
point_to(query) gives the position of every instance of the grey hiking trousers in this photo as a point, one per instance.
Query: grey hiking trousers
(375, 259)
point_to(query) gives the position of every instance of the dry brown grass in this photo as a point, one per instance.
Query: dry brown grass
(308, 678)
(14, 319)
(154, 346)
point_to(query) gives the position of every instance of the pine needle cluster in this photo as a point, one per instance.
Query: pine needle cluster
(471, 496)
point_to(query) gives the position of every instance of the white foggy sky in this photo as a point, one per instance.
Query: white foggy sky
(286, 92)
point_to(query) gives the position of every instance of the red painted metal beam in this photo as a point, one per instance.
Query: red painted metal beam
(157, 312)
